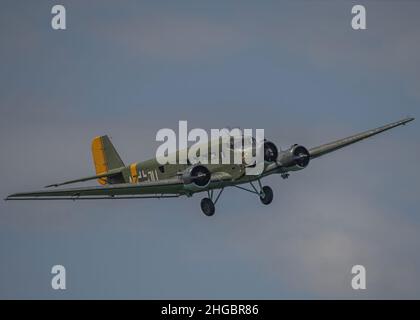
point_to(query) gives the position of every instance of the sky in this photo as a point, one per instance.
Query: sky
(293, 68)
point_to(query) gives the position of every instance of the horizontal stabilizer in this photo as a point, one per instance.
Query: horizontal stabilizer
(105, 175)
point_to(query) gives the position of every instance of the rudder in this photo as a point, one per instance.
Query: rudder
(105, 158)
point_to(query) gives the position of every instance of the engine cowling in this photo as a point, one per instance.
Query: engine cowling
(196, 177)
(296, 157)
(270, 151)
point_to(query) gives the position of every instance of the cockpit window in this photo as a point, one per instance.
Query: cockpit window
(250, 141)
(239, 143)
(235, 144)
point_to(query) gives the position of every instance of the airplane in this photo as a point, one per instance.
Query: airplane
(150, 179)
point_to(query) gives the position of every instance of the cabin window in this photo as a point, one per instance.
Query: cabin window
(236, 144)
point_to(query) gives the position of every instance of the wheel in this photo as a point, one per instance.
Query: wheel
(207, 206)
(266, 195)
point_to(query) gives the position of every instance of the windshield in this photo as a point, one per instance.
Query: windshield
(239, 143)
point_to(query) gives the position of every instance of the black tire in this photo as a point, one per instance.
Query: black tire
(207, 206)
(266, 196)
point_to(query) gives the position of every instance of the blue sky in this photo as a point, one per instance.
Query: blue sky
(293, 68)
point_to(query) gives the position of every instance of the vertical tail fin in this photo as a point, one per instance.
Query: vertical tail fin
(105, 158)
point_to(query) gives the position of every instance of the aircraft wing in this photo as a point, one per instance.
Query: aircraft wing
(167, 188)
(338, 144)
(155, 189)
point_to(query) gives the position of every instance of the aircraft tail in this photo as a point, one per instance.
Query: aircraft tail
(105, 159)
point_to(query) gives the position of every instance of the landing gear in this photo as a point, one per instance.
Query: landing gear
(207, 204)
(266, 195)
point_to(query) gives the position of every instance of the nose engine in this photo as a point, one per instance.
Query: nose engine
(270, 151)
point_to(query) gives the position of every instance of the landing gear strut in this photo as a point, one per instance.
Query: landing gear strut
(265, 193)
(207, 204)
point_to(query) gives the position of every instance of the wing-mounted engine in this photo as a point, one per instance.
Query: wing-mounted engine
(196, 177)
(295, 158)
